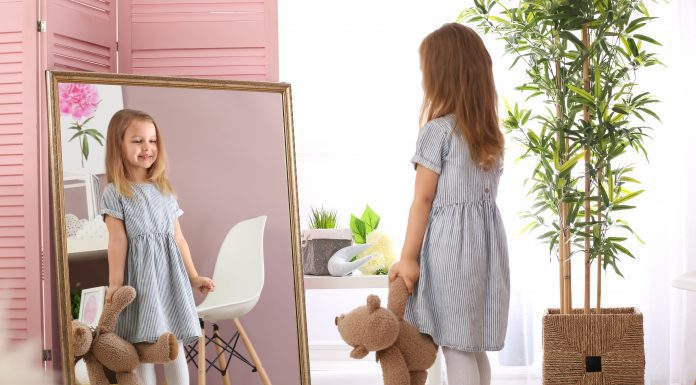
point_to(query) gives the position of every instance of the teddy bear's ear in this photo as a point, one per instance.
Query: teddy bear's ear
(359, 352)
(373, 302)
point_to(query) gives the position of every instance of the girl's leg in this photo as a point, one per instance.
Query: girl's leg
(484, 368)
(462, 367)
(176, 372)
(146, 374)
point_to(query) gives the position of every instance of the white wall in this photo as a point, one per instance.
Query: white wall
(356, 96)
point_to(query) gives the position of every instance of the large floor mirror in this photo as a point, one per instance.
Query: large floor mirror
(230, 158)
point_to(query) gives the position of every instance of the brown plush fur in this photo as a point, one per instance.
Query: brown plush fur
(404, 353)
(104, 349)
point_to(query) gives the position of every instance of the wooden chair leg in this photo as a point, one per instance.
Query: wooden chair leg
(250, 349)
(201, 356)
(221, 357)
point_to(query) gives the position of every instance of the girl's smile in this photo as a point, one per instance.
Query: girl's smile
(140, 148)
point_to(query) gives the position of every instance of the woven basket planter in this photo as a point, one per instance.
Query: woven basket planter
(604, 349)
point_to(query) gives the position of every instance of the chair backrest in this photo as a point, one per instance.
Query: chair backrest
(239, 269)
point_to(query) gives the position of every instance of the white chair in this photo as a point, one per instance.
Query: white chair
(238, 276)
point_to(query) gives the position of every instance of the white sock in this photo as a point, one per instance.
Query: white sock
(176, 372)
(484, 368)
(462, 367)
(146, 374)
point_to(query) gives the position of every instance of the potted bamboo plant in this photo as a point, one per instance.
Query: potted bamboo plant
(581, 59)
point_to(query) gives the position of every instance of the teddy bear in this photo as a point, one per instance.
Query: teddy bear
(102, 348)
(403, 352)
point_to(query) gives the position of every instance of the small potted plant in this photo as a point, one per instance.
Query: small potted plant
(322, 240)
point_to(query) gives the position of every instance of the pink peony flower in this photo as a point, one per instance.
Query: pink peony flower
(77, 100)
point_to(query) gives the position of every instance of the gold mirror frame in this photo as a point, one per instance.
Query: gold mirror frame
(53, 78)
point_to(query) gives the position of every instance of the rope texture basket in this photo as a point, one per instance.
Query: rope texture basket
(604, 349)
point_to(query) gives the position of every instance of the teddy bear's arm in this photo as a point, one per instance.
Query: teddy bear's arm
(164, 350)
(95, 371)
(398, 295)
(419, 377)
(394, 369)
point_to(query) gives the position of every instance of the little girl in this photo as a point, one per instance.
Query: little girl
(455, 259)
(146, 247)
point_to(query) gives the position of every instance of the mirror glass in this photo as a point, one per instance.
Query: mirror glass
(229, 148)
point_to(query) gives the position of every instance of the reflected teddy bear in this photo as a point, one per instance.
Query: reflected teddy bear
(102, 348)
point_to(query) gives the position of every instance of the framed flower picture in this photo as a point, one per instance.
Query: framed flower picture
(92, 305)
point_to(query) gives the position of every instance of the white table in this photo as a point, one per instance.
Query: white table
(312, 282)
(685, 281)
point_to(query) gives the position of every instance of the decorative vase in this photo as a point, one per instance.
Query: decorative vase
(340, 263)
(594, 349)
(318, 245)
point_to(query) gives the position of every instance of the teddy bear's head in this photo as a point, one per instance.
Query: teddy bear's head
(368, 328)
(82, 338)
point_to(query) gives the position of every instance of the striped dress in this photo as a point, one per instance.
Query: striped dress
(461, 298)
(154, 267)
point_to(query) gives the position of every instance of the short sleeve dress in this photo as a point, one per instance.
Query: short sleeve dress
(461, 298)
(154, 267)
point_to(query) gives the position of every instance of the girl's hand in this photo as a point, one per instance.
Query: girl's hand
(203, 284)
(110, 293)
(407, 269)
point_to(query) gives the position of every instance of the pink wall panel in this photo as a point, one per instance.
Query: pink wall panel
(20, 255)
(224, 40)
(82, 35)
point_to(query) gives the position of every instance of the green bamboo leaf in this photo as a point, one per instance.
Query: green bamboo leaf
(610, 181)
(633, 47)
(622, 207)
(627, 197)
(647, 38)
(623, 250)
(547, 234)
(629, 179)
(581, 92)
(572, 38)
(571, 162)
(650, 112)
(529, 227)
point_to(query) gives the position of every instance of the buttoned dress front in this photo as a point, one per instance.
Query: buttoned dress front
(461, 298)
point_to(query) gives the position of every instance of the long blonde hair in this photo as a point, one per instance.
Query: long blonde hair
(458, 80)
(116, 170)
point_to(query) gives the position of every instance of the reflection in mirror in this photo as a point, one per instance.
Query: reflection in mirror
(229, 159)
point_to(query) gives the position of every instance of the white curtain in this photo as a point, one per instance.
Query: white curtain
(356, 89)
(670, 224)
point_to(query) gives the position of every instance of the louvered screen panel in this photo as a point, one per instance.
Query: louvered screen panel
(82, 35)
(20, 263)
(198, 38)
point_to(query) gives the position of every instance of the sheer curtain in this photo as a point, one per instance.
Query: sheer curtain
(356, 93)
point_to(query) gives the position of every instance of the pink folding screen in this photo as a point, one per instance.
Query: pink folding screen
(198, 38)
(20, 256)
(225, 39)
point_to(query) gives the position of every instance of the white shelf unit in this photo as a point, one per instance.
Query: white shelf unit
(84, 179)
(347, 282)
(87, 248)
